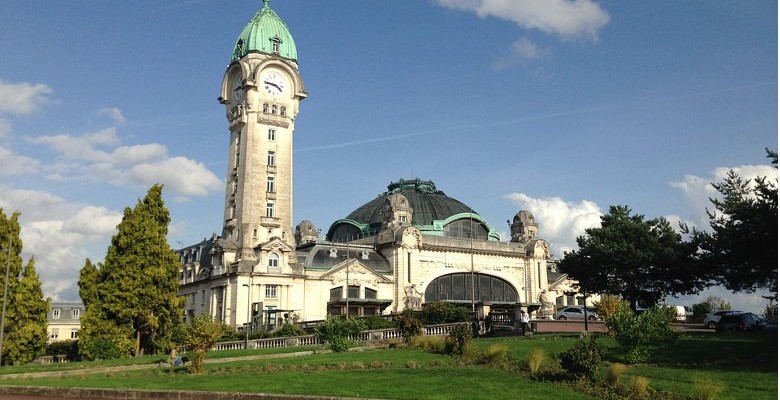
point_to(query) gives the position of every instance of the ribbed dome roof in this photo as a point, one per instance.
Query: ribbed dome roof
(428, 203)
(262, 33)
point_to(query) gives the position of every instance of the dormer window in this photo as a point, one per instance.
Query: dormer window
(275, 44)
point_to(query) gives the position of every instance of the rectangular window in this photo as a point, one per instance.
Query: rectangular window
(271, 291)
(74, 334)
(270, 185)
(271, 159)
(75, 313)
(269, 210)
(56, 313)
(272, 134)
(353, 292)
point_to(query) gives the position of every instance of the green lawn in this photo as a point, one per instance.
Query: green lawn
(746, 365)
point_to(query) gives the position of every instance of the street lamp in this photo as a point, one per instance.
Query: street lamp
(5, 295)
(248, 313)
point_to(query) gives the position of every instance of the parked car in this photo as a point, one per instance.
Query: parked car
(745, 321)
(711, 320)
(576, 313)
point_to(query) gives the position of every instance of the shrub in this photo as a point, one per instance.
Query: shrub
(536, 358)
(496, 354)
(289, 329)
(640, 334)
(584, 358)
(377, 322)
(433, 344)
(443, 313)
(639, 386)
(336, 331)
(409, 324)
(458, 342)
(705, 388)
(199, 338)
(614, 372)
(70, 348)
(607, 305)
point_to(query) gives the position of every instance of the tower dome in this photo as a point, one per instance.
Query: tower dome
(265, 33)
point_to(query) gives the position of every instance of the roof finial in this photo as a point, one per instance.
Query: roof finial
(265, 3)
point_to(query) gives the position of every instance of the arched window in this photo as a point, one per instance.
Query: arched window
(283, 111)
(273, 261)
(457, 287)
(273, 110)
(467, 229)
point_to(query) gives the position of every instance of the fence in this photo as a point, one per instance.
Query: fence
(311, 340)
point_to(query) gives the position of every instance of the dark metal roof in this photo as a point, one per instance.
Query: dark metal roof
(428, 203)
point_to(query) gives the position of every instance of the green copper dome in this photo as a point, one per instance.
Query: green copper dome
(265, 33)
(434, 213)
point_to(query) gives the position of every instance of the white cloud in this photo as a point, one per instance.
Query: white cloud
(521, 52)
(698, 190)
(22, 98)
(60, 235)
(178, 174)
(560, 222)
(98, 156)
(569, 19)
(114, 113)
(15, 164)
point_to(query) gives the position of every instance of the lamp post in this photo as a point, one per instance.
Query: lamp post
(248, 313)
(5, 295)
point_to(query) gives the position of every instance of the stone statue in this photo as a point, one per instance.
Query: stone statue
(548, 303)
(413, 299)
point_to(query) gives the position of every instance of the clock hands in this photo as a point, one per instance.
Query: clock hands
(279, 88)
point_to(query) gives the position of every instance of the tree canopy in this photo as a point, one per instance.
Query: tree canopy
(741, 251)
(640, 260)
(133, 293)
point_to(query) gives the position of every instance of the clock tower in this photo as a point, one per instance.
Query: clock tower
(261, 91)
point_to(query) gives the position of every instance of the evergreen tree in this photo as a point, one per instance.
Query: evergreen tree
(88, 282)
(741, 251)
(26, 337)
(24, 333)
(136, 285)
(640, 260)
(9, 239)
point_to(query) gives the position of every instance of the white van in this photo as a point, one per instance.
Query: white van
(683, 312)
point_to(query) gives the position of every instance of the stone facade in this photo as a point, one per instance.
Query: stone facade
(411, 246)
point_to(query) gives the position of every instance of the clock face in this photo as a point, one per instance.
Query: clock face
(238, 88)
(273, 83)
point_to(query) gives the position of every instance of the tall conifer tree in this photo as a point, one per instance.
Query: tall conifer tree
(27, 333)
(24, 333)
(137, 284)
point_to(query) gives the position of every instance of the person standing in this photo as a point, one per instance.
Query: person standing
(525, 319)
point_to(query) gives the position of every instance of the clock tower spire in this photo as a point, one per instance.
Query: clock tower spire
(261, 91)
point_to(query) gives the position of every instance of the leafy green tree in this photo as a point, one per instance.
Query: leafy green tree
(26, 337)
(741, 251)
(639, 260)
(135, 289)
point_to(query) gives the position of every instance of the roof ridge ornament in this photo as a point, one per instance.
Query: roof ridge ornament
(265, 3)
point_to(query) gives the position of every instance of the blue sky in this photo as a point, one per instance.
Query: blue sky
(559, 107)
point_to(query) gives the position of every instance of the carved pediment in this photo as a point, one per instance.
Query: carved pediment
(358, 274)
(276, 245)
